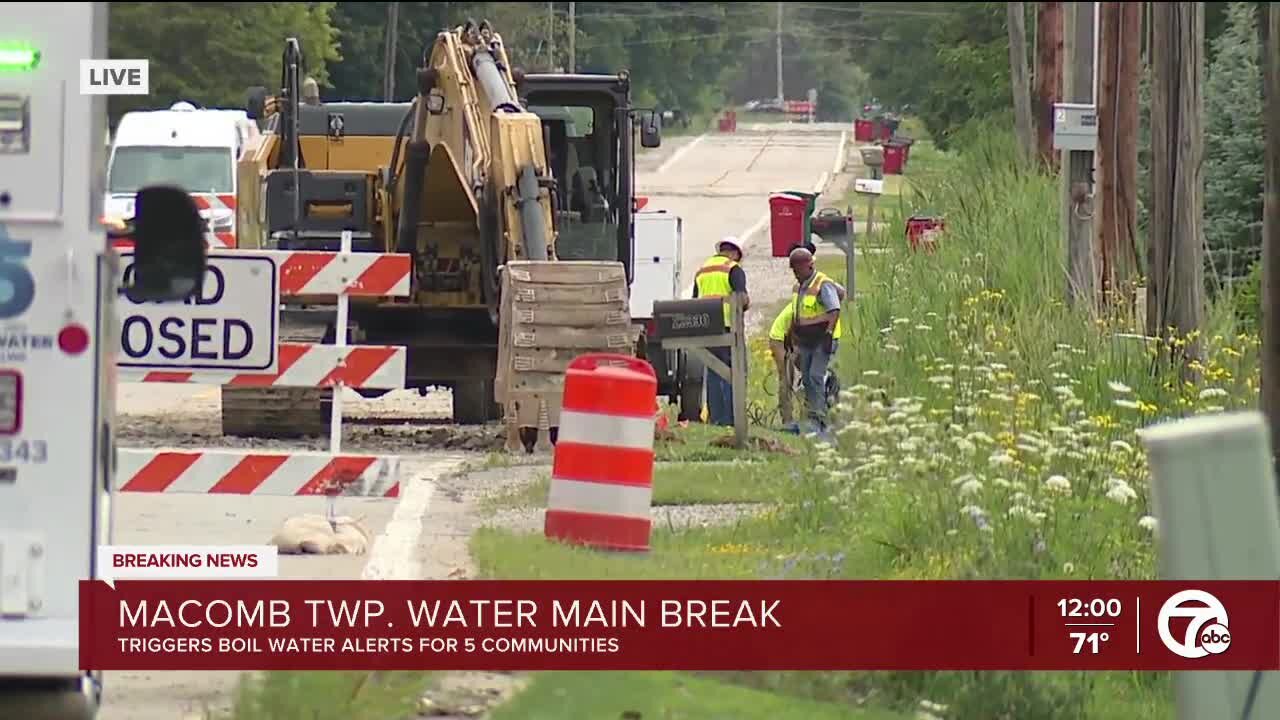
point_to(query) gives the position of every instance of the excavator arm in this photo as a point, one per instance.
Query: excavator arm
(474, 157)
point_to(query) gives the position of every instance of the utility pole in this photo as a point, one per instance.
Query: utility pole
(1048, 77)
(1175, 294)
(1077, 190)
(551, 37)
(1269, 29)
(1020, 82)
(573, 37)
(1117, 156)
(777, 42)
(389, 58)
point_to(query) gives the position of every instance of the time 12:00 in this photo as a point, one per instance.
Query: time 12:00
(1074, 607)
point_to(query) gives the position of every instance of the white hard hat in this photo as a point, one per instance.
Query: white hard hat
(733, 242)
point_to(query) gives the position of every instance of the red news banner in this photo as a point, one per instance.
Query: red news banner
(693, 625)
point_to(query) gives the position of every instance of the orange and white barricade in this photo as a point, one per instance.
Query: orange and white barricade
(602, 474)
(343, 274)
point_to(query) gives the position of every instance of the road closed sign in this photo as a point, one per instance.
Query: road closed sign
(232, 324)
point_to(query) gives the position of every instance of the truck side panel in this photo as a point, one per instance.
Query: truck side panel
(55, 342)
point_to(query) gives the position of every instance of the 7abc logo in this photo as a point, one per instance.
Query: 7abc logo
(1206, 633)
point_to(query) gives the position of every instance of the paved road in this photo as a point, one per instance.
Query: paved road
(718, 184)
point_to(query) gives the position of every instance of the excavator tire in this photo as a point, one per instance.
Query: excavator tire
(276, 413)
(473, 403)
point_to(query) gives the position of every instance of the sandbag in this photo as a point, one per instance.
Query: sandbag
(315, 535)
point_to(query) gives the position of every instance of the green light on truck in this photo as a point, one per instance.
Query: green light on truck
(18, 57)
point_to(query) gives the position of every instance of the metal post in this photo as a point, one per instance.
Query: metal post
(738, 371)
(340, 340)
(1216, 507)
(573, 38)
(777, 40)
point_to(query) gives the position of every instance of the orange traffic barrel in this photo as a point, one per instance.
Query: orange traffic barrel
(602, 471)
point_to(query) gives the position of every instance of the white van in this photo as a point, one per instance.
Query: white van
(196, 149)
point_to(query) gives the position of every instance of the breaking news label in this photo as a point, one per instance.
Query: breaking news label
(190, 562)
(715, 625)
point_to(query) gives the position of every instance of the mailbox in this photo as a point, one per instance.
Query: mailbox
(689, 318)
(872, 155)
(1075, 126)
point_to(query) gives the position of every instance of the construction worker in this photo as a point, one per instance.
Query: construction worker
(784, 356)
(310, 92)
(784, 361)
(815, 332)
(719, 277)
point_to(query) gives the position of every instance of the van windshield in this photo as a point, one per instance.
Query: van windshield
(194, 169)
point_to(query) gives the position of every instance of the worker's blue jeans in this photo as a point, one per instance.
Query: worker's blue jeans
(720, 391)
(813, 363)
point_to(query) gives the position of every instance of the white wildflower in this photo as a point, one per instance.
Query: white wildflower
(1001, 397)
(971, 487)
(1146, 522)
(1002, 483)
(1119, 491)
(964, 446)
(1058, 484)
(1128, 404)
(923, 328)
(870, 373)
(940, 379)
(1121, 446)
(1119, 387)
(1064, 391)
(901, 321)
(1000, 458)
(999, 367)
(1213, 408)
(1068, 568)
(893, 348)
(981, 437)
(1212, 392)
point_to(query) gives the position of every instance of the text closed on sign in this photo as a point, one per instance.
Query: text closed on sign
(231, 324)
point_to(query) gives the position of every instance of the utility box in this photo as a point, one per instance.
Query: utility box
(1075, 126)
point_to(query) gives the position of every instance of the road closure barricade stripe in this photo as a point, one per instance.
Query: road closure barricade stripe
(342, 274)
(369, 367)
(237, 472)
(353, 274)
(602, 472)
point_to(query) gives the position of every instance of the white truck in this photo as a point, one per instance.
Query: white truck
(195, 149)
(58, 336)
(658, 246)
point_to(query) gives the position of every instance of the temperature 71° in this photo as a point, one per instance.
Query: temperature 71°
(1094, 640)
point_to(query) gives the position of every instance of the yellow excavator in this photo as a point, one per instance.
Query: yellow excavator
(518, 223)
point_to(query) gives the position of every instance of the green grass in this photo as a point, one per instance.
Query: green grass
(733, 553)
(742, 480)
(663, 696)
(327, 696)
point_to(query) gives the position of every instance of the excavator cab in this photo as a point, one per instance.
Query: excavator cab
(589, 130)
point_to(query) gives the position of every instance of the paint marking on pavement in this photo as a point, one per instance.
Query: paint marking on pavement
(392, 556)
(680, 152)
(745, 237)
(821, 185)
(838, 165)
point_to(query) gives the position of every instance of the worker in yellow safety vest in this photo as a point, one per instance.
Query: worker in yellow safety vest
(815, 332)
(719, 277)
(784, 357)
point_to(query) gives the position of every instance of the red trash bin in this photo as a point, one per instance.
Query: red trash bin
(893, 157)
(886, 131)
(923, 231)
(786, 222)
(862, 131)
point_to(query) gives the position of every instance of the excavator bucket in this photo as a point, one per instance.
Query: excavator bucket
(552, 313)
